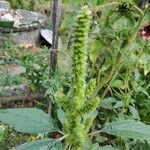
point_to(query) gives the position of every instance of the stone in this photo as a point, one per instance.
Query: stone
(4, 5)
(28, 32)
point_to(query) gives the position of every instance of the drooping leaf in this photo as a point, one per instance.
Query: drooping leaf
(27, 120)
(128, 129)
(44, 144)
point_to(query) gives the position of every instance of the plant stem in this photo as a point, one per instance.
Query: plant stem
(62, 138)
(134, 34)
(105, 5)
(96, 132)
(119, 61)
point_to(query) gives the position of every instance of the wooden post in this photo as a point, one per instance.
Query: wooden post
(56, 17)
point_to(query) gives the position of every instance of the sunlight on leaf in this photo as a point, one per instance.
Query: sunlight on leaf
(27, 120)
(128, 129)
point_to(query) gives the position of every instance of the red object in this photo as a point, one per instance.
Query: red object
(145, 33)
(2, 14)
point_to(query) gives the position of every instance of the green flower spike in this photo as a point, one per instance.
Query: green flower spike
(79, 101)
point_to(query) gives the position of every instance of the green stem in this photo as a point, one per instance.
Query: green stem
(105, 5)
(110, 82)
(95, 132)
(119, 62)
(138, 10)
(62, 138)
(134, 34)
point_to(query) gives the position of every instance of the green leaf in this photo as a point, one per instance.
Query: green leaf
(95, 50)
(87, 145)
(107, 147)
(118, 104)
(100, 139)
(123, 24)
(147, 17)
(91, 114)
(128, 129)
(147, 65)
(106, 65)
(27, 120)
(68, 21)
(100, 2)
(96, 146)
(134, 113)
(61, 116)
(44, 144)
(107, 103)
(2, 128)
(117, 84)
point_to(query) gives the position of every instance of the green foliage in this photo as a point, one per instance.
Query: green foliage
(118, 58)
(22, 120)
(79, 100)
(11, 138)
(61, 116)
(44, 144)
(16, 3)
(1, 132)
(128, 129)
(140, 146)
(26, 4)
(37, 71)
(9, 59)
(100, 2)
(108, 147)
(108, 103)
(36, 66)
